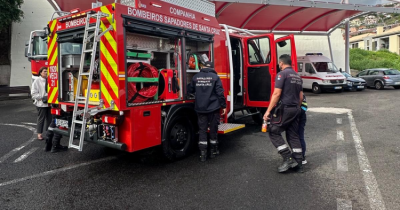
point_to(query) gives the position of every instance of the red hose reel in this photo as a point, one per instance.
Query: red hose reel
(149, 90)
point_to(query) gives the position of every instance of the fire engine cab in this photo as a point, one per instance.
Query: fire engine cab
(118, 73)
(36, 51)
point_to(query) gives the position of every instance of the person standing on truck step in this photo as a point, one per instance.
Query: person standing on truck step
(39, 94)
(209, 93)
(283, 112)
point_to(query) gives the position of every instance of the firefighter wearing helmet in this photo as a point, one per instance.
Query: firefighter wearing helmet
(209, 93)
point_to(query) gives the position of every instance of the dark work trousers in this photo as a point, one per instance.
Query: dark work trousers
(302, 125)
(44, 119)
(206, 120)
(289, 124)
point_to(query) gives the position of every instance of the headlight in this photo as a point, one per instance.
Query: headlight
(326, 81)
(349, 83)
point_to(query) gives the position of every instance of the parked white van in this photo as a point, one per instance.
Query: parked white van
(319, 73)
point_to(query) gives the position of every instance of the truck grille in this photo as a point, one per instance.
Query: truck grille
(336, 81)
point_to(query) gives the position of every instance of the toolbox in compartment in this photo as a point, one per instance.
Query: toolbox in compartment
(71, 61)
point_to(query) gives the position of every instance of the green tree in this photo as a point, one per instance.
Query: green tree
(10, 11)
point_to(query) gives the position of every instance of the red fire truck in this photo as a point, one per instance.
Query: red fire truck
(118, 74)
(36, 51)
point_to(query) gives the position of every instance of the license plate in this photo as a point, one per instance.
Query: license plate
(61, 123)
(397, 83)
(360, 87)
(338, 88)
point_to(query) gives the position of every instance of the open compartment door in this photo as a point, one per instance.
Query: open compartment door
(259, 69)
(286, 45)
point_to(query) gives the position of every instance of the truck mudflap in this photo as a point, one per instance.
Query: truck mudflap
(225, 128)
(94, 139)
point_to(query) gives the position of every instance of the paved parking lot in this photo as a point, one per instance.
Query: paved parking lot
(353, 154)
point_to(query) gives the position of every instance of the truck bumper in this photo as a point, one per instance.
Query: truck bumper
(94, 139)
(333, 87)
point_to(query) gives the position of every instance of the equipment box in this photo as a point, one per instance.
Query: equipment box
(71, 61)
(146, 126)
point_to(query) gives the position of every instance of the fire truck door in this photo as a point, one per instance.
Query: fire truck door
(259, 68)
(286, 45)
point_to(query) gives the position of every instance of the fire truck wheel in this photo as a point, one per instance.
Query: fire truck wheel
(179, 138)
(258, 118)
(316, 88)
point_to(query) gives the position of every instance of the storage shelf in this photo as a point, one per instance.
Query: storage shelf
(137, 61)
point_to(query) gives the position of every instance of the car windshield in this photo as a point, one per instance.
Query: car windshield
(325, 67)
(346, 74)
(391, 72)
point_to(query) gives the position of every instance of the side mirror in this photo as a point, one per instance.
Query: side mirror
(282, 43)
(340, 70)
(27, 54)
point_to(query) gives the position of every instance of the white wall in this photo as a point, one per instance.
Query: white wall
(37, 13)
(319, 44)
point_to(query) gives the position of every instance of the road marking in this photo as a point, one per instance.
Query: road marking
(342, 162)
(26, 154)
(28, 123)
(343, 204)
(12, 152)
(56, 171)
(340, 135)
(374, 194)
(339, 121)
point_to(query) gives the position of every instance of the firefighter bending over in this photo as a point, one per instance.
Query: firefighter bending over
(209, 100)
(284, 113)
(53, 139)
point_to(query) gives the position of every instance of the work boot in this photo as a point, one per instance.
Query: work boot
(57, 147)
(287, 163)
(203, 155)
(214, 151)
(300, 167)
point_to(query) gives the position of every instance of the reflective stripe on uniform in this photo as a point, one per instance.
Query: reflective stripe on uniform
(297, 150)
(213, 141)
(203, 142)
(280, 148)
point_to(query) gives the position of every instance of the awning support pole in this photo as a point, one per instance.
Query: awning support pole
(330, 47)
(347, 50)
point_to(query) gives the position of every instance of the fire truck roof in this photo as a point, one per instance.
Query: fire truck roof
(278, 16)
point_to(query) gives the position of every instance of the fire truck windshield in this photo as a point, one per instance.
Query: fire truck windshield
(39, 46)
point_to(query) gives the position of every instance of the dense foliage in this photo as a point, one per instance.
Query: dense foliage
(363, 59)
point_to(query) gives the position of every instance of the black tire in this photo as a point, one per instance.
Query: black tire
(258, 118)
(396, 87)
(316, 89)
(179, 138)
(379, 85)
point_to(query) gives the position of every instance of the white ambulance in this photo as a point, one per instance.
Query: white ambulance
(319, 73)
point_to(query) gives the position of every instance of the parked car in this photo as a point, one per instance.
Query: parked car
(354, 83)
(381, 77)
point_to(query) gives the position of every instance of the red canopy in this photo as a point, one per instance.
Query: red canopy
(277, 15)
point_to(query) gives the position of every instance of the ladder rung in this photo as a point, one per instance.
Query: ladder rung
(85, 74)
(81, 98)
(74, 146)
(92, 28)
(88, 51)
(78, 121)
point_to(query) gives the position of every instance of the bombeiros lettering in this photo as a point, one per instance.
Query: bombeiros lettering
(76, 22)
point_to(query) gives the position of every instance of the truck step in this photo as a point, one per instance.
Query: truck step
(229, 127)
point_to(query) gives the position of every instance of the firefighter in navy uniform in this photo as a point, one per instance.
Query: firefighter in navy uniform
(283, 112)
(207, 87)
(53, 139)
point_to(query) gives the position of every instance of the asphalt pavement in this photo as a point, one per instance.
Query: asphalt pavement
(352, 153)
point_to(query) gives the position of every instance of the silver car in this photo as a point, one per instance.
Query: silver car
(379, 78)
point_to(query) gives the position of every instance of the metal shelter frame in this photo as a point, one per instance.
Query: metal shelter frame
(299, 6)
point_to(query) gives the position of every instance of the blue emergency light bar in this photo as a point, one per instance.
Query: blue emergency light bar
(313, 54)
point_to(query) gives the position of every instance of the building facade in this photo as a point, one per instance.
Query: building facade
(384, 38)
